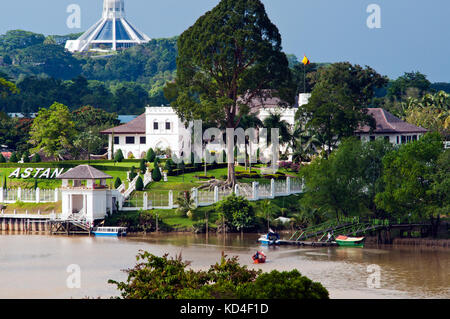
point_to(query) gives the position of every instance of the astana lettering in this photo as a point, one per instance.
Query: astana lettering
(40, 173)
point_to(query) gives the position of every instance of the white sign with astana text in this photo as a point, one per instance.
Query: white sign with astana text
(40, 173)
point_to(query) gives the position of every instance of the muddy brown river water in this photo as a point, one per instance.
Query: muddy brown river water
(37, 266)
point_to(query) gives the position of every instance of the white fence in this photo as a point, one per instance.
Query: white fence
(202, 198)
(10, 196)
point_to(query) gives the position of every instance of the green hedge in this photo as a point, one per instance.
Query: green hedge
(188, 170)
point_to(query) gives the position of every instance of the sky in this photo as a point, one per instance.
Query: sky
(412, 34)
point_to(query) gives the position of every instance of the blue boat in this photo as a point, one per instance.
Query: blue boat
(270, 239)
(110, 231)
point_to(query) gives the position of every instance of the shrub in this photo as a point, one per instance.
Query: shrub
(139, 184)
(133, 173)
(237, 212)
(143, 166)
(283, 285)
(2, 158)
(131, 156)
(117, 183)
(36, 158)
(118, 157)
(26, 157)
(13, 158)
(156, 277)
(151, 155)
(156, 173)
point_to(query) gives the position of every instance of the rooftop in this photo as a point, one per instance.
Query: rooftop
(84, 172)
(388, 123)
(136, 126)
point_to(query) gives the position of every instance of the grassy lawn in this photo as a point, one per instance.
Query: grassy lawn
(21, 208)
(179, 183)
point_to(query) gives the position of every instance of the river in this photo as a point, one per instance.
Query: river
(37, 266)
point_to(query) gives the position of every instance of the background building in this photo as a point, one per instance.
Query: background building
(111, 33)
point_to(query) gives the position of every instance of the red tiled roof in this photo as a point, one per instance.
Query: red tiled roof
(267, 100)
(136, 126)
(388, 123)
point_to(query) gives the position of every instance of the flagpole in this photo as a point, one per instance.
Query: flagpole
(304, 78)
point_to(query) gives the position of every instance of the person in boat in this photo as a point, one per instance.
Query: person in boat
(273, 236)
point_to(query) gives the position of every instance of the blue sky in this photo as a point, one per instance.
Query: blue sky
(413, 34)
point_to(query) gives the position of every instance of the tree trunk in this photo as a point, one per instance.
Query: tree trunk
(231, 175)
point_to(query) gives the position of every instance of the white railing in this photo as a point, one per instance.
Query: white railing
(131, 188)
(10, 196)
(251, 192)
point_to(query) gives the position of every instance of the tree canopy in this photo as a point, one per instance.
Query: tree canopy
(231, 55)
(53, 130)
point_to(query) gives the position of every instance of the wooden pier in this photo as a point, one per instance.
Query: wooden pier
(50, 224)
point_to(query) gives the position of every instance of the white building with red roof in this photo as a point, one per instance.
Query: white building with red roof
(161, 128)
(390, 128)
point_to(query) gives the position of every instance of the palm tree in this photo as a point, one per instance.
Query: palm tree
(186, 204)
(274, 121)
(304, 144)
(266, 209)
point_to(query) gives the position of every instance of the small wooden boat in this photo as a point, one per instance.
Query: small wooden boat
(110, 231)
(344, 241)
(269, 239)
(259, 258)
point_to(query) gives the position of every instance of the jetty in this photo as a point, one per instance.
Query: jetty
(43, 223)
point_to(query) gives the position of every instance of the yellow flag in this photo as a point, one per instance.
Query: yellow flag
(305, 61)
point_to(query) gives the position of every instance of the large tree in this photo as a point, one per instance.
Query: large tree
(339, 101)
(411, 188)
(346, 183)
(53, 130)
(231, 55)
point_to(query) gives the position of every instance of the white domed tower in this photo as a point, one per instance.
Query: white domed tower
(113, 32)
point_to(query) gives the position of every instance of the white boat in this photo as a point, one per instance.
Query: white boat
(269, 239)
(110, 231)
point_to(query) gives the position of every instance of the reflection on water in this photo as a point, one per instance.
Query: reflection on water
(35, 266)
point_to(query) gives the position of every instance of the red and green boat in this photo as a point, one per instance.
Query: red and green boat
(344, 241)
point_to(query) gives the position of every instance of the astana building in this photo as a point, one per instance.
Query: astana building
(113, 32)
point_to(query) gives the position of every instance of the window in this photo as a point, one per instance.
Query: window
(143, 140)
(155, 126)
(168, 126)
(116, 140)
(403, 139)
(398, 140)
(130, 140)
(372, 138)
(414, 138)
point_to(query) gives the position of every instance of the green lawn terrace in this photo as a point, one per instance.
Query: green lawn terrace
(177, 183)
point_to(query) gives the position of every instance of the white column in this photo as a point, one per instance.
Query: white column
(145, 201)
(216, 194)
(255, 188)
(195, 196)
(19, 194)
(38, 195)
(236, 190)
(1, 194)
(272, 188)
(170, 199)
(288, 186)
